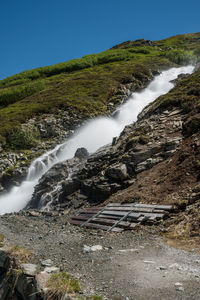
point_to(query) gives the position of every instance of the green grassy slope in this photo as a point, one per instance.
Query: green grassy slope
(85, 86)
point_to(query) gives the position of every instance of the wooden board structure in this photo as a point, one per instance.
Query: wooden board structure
(118, 217)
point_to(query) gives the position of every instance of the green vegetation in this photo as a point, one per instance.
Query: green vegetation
(24, 138)
(2, 239)
(180, 57)
(96, 297)
(85, 86)
(61, 284)
(12, 95)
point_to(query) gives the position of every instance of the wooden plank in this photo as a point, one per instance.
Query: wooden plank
(129, 208)
(118, 213)
(162, 207)
(140, 219)
(103, 221)
(134, 225)
(143, 217)
(132, 215)
(116, 217)
(100, 216)
(95, 226)
(120, 220)
(92, 217)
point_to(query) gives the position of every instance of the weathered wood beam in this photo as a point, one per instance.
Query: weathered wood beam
(95, 226)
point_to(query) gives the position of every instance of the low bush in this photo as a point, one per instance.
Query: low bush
(24, 137)
(180, 57)
(9, 96)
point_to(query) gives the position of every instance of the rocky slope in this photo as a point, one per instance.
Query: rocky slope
(41, 107)
(155, 160)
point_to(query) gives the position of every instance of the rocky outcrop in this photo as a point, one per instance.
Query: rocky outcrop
(17, 282)
(56, 128)
(140, 146)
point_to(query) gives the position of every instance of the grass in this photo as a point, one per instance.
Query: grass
(85, 86)
(61, 284)
(2, 239)
(21, 254)
(96, 297)
(12, 95)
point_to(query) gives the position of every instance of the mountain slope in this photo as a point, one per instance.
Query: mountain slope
(154, 160)
(85, 87)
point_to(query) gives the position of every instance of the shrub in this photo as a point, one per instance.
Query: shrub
(24, 137)
(9, 96)
(139, 50)
(180, 57)
(197, 51)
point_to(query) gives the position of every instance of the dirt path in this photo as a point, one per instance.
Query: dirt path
(131, 265)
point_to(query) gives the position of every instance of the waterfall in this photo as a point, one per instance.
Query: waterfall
(95, 134)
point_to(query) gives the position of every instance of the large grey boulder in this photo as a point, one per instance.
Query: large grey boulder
(117, 172)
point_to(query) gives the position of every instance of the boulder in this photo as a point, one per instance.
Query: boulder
(81, 153)
(117, 172)
(69, 186)
(29, 269)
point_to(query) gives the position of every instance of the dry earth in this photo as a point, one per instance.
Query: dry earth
(132, 265)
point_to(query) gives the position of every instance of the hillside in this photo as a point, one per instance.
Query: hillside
(154, 160)
(86, 87)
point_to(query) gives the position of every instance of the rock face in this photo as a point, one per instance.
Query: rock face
(16, 283)
(55, 129)
(155, 139)
(140, 146)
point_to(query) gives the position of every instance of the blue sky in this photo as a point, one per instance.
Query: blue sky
(36, 33)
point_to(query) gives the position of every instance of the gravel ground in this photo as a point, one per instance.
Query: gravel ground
(131, 265)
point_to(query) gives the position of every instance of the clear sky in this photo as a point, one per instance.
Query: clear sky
(36, 33)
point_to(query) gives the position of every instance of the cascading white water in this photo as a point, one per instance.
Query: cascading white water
(95, 134)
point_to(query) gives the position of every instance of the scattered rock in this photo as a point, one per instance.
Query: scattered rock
(87, 249)
(29, 269)
(149, 262)
(47, 263)
(128, 250)
(51, 270)
(163, 268)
